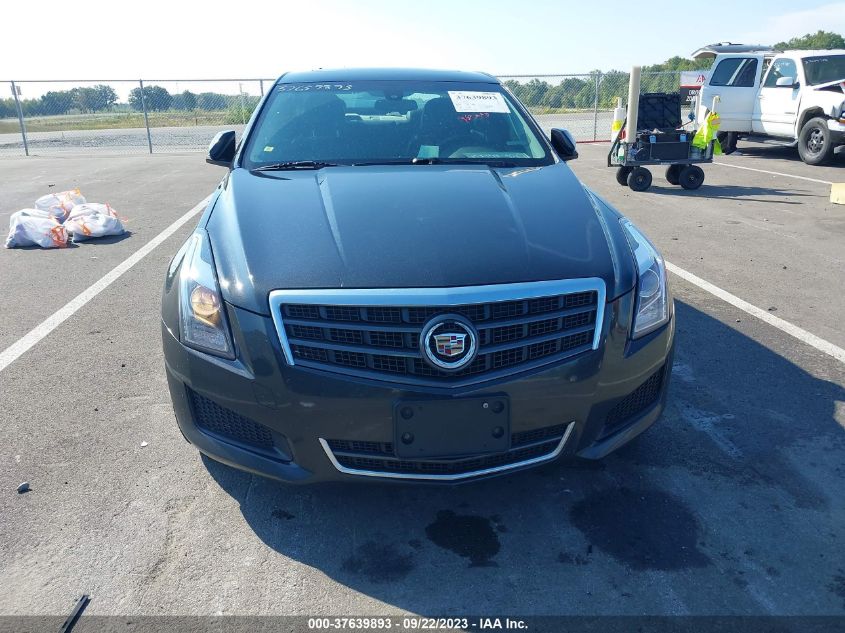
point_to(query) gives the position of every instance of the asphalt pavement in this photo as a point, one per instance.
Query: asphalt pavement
(731, 504)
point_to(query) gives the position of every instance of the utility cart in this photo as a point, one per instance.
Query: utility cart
(672, 148)
(658, 138)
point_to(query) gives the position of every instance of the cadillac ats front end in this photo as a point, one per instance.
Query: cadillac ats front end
(401, 278)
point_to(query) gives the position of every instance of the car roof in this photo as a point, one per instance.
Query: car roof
(731, 51)
(722, 48)
(385, 74)
(815, 53)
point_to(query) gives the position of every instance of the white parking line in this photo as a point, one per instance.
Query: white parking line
(29, 340)
(774, 173)
(762, 171)
(784, 326)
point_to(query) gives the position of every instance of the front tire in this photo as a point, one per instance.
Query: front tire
(622, 175)
(673, 174)
(639, 179)
(815, 144)
(691, 177)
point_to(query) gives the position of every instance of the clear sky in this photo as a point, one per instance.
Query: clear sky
(155, 39)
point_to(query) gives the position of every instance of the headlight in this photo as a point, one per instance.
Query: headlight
(202, 315)
(652, 308)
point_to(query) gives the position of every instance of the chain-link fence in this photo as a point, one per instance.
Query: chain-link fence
(140, 116)
(583, 104)
(41, 117)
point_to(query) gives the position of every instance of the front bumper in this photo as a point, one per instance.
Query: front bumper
(837, 129)
(303, 425)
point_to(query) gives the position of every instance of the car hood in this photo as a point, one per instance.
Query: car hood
(840, 83)
(404, 226)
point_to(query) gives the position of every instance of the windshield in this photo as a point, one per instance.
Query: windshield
(825, 68)
(390, 122)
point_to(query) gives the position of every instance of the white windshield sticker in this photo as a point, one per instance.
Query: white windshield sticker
(471, 101)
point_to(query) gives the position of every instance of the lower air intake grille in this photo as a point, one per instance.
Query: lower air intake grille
(211, 417)
(379, 457)
(538, 435)
(642, 398)
(385, 449)
(453, 467)
(369, 448)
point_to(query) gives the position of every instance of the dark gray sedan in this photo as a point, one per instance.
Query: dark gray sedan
(400, 277)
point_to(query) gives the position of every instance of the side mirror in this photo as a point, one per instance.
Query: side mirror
(785, 82)
(564, 144)
(221, 150)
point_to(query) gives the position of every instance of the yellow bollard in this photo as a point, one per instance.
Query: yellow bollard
(618, 118)
(837, 193)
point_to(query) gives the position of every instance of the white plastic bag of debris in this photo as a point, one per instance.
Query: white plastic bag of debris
(59, 204)
(34, 227)
(93, 219)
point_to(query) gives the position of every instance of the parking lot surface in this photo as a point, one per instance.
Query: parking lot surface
(732, 504)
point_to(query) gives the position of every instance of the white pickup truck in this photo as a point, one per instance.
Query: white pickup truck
(793, 97)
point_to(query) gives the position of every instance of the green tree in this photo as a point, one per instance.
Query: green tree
(820, 40)
(570, 87)
(7, 109)
(212, 101)
(57, 101)
(586, 97)
(94, 99)
(554, 97)
(189, 99)
(83, 98)
(534, 92)
(104, 97)
(679, 63)
(156, 99)
(241, 108)
(31, 107)
(184, 101)
(613, 84)
(515, 87)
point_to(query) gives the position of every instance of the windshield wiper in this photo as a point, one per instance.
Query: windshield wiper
(490, 162)
(433, 160)
(371, 163)
(294, 164)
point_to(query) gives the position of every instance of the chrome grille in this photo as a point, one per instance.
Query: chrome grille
(375, 334)
(387, 339)
(350, 359)
(352, 337)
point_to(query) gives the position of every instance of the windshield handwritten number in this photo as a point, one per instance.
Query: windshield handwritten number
(314, 87)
